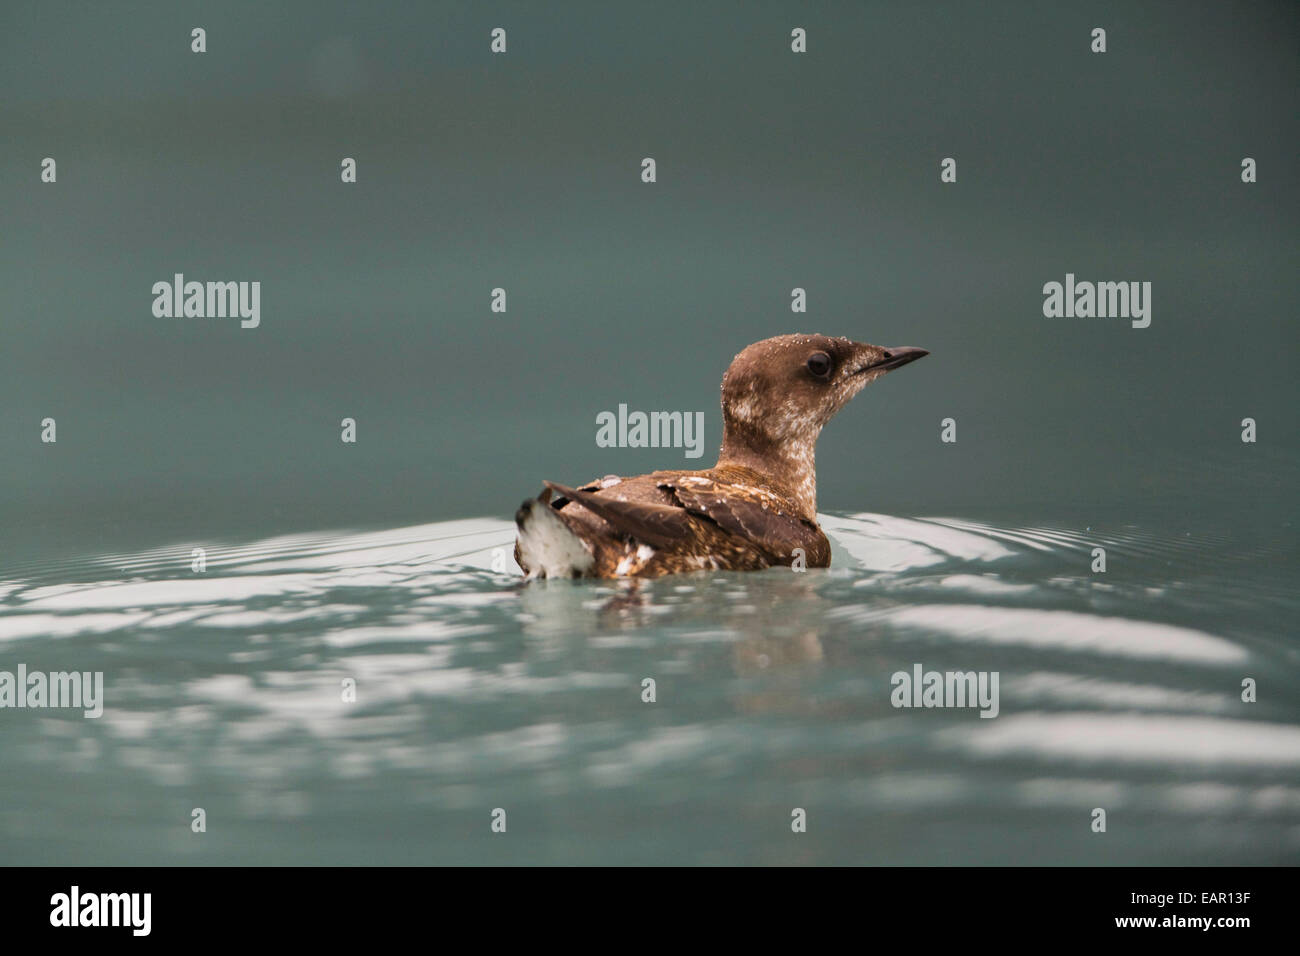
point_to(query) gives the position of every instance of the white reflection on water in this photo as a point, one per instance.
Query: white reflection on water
(1136, 737)
(1063, 630)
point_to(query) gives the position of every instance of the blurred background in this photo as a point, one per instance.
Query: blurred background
(522, 171)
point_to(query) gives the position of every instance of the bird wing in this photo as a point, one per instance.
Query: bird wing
(755, 516)
(660, 526)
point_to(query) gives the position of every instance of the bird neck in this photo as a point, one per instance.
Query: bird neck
(790, 464)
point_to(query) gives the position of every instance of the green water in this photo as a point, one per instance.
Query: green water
(372, 561)
(772, 693)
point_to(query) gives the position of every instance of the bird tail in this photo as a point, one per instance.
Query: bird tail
(546, 546)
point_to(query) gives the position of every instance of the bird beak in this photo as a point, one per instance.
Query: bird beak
(895, 358)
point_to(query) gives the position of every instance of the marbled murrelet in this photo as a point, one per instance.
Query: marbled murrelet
(754, 509)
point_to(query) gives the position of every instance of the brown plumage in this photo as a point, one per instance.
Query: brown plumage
(755, 509)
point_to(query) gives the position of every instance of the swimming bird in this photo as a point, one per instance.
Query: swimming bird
(756, 508)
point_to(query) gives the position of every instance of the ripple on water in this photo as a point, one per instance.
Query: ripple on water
(1119, 689)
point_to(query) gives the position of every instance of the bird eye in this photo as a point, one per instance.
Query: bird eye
(819, 363)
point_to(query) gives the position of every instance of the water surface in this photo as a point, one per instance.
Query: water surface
(476, 692)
